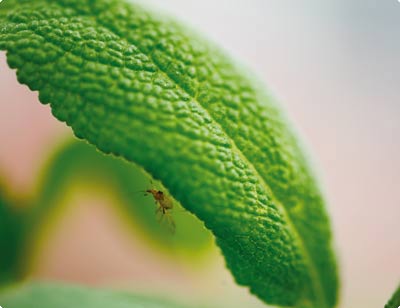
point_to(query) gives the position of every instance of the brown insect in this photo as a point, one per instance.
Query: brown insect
(164, 206)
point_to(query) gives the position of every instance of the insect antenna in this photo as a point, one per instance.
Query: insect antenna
(144, 192)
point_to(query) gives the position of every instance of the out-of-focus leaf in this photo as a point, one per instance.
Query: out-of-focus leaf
(63, 296)
(78, 164)
(10, 239)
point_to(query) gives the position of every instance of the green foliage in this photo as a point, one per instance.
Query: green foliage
(394, 302)
(10, 239)
(140, 86)
(63, 296)
(79, 164)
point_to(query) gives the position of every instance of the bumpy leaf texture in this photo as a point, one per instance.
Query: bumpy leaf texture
(66, 296)
(141, 86)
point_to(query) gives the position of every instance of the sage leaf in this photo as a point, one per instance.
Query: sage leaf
(10, 239)
(141, 86)
(65, 296)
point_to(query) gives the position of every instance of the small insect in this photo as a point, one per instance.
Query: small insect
(164, 206)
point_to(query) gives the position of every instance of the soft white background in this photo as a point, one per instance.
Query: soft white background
(335, 66)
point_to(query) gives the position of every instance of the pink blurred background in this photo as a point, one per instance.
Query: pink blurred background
(334, 66)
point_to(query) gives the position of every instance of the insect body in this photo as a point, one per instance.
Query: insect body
(164, 203)
(164, 206)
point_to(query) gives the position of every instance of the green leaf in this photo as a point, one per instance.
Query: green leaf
(79, 164)
(10, 239)
(394, 302)
(141, 86)
(64, 296)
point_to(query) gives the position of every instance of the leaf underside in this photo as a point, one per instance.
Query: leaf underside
(64, 296)
(141, 86)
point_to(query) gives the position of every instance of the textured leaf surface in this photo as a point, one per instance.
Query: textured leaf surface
(63, 296)
(394, 302)
(140, 86)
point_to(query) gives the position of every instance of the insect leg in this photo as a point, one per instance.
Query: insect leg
(159, 208)
(171, 222)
